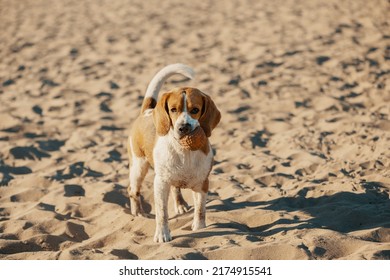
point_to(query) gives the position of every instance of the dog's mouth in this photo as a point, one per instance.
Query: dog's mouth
(185, 131)
(190, 133)
(194, 140)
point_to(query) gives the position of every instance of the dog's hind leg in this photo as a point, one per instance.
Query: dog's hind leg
(139, 167)
(180, 204)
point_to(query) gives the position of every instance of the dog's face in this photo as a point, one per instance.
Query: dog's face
(183, 110)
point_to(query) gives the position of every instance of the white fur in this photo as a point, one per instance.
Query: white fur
(178, 167)
(148, 112)
(159, 79)
(200, 210)
(174, 165)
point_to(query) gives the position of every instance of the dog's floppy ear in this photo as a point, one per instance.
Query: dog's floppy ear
(161, 119)
(210, 115)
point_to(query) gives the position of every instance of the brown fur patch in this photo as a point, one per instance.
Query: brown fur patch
(210, 115)
(205, 187)
(143, 136)
(129, 150)
(148, 103)
(205, 148)
(175, 101)
(161, 117)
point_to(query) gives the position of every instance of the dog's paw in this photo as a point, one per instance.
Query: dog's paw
(147, 215)
(181, 208)
(136, 209)
(162, 235)
(136, 212)
(196, 225)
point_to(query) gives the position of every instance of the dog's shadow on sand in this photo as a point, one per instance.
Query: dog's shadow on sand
(120, 197)
(343, 212)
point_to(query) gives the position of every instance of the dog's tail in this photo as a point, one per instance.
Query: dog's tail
(158, 80)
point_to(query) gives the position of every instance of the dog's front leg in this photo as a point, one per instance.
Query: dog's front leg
(161, 194)
(200, 197)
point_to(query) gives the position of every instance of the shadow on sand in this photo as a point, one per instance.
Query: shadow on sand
(342, 212)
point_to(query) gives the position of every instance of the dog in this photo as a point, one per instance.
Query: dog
(154, 141)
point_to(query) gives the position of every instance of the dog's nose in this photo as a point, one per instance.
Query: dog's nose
(185, 128)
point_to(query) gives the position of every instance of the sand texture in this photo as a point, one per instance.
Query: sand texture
(302, 164)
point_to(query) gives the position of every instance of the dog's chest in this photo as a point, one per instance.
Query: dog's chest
(181, 168)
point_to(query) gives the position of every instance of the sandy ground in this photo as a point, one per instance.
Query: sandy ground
(302, 152)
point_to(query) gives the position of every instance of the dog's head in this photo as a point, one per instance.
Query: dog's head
(183, 110)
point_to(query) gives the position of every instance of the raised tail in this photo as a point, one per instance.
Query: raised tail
(158, 80)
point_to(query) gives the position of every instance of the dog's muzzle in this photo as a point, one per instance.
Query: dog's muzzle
(185, 129)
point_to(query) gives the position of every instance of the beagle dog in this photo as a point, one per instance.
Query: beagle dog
(154, 141)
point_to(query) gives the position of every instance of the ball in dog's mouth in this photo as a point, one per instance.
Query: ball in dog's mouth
(194, 140)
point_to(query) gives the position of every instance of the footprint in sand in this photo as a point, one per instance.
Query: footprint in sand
(76, 232)
(124, 254)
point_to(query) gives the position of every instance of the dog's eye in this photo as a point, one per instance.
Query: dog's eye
(194, 111)
(173, 110)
